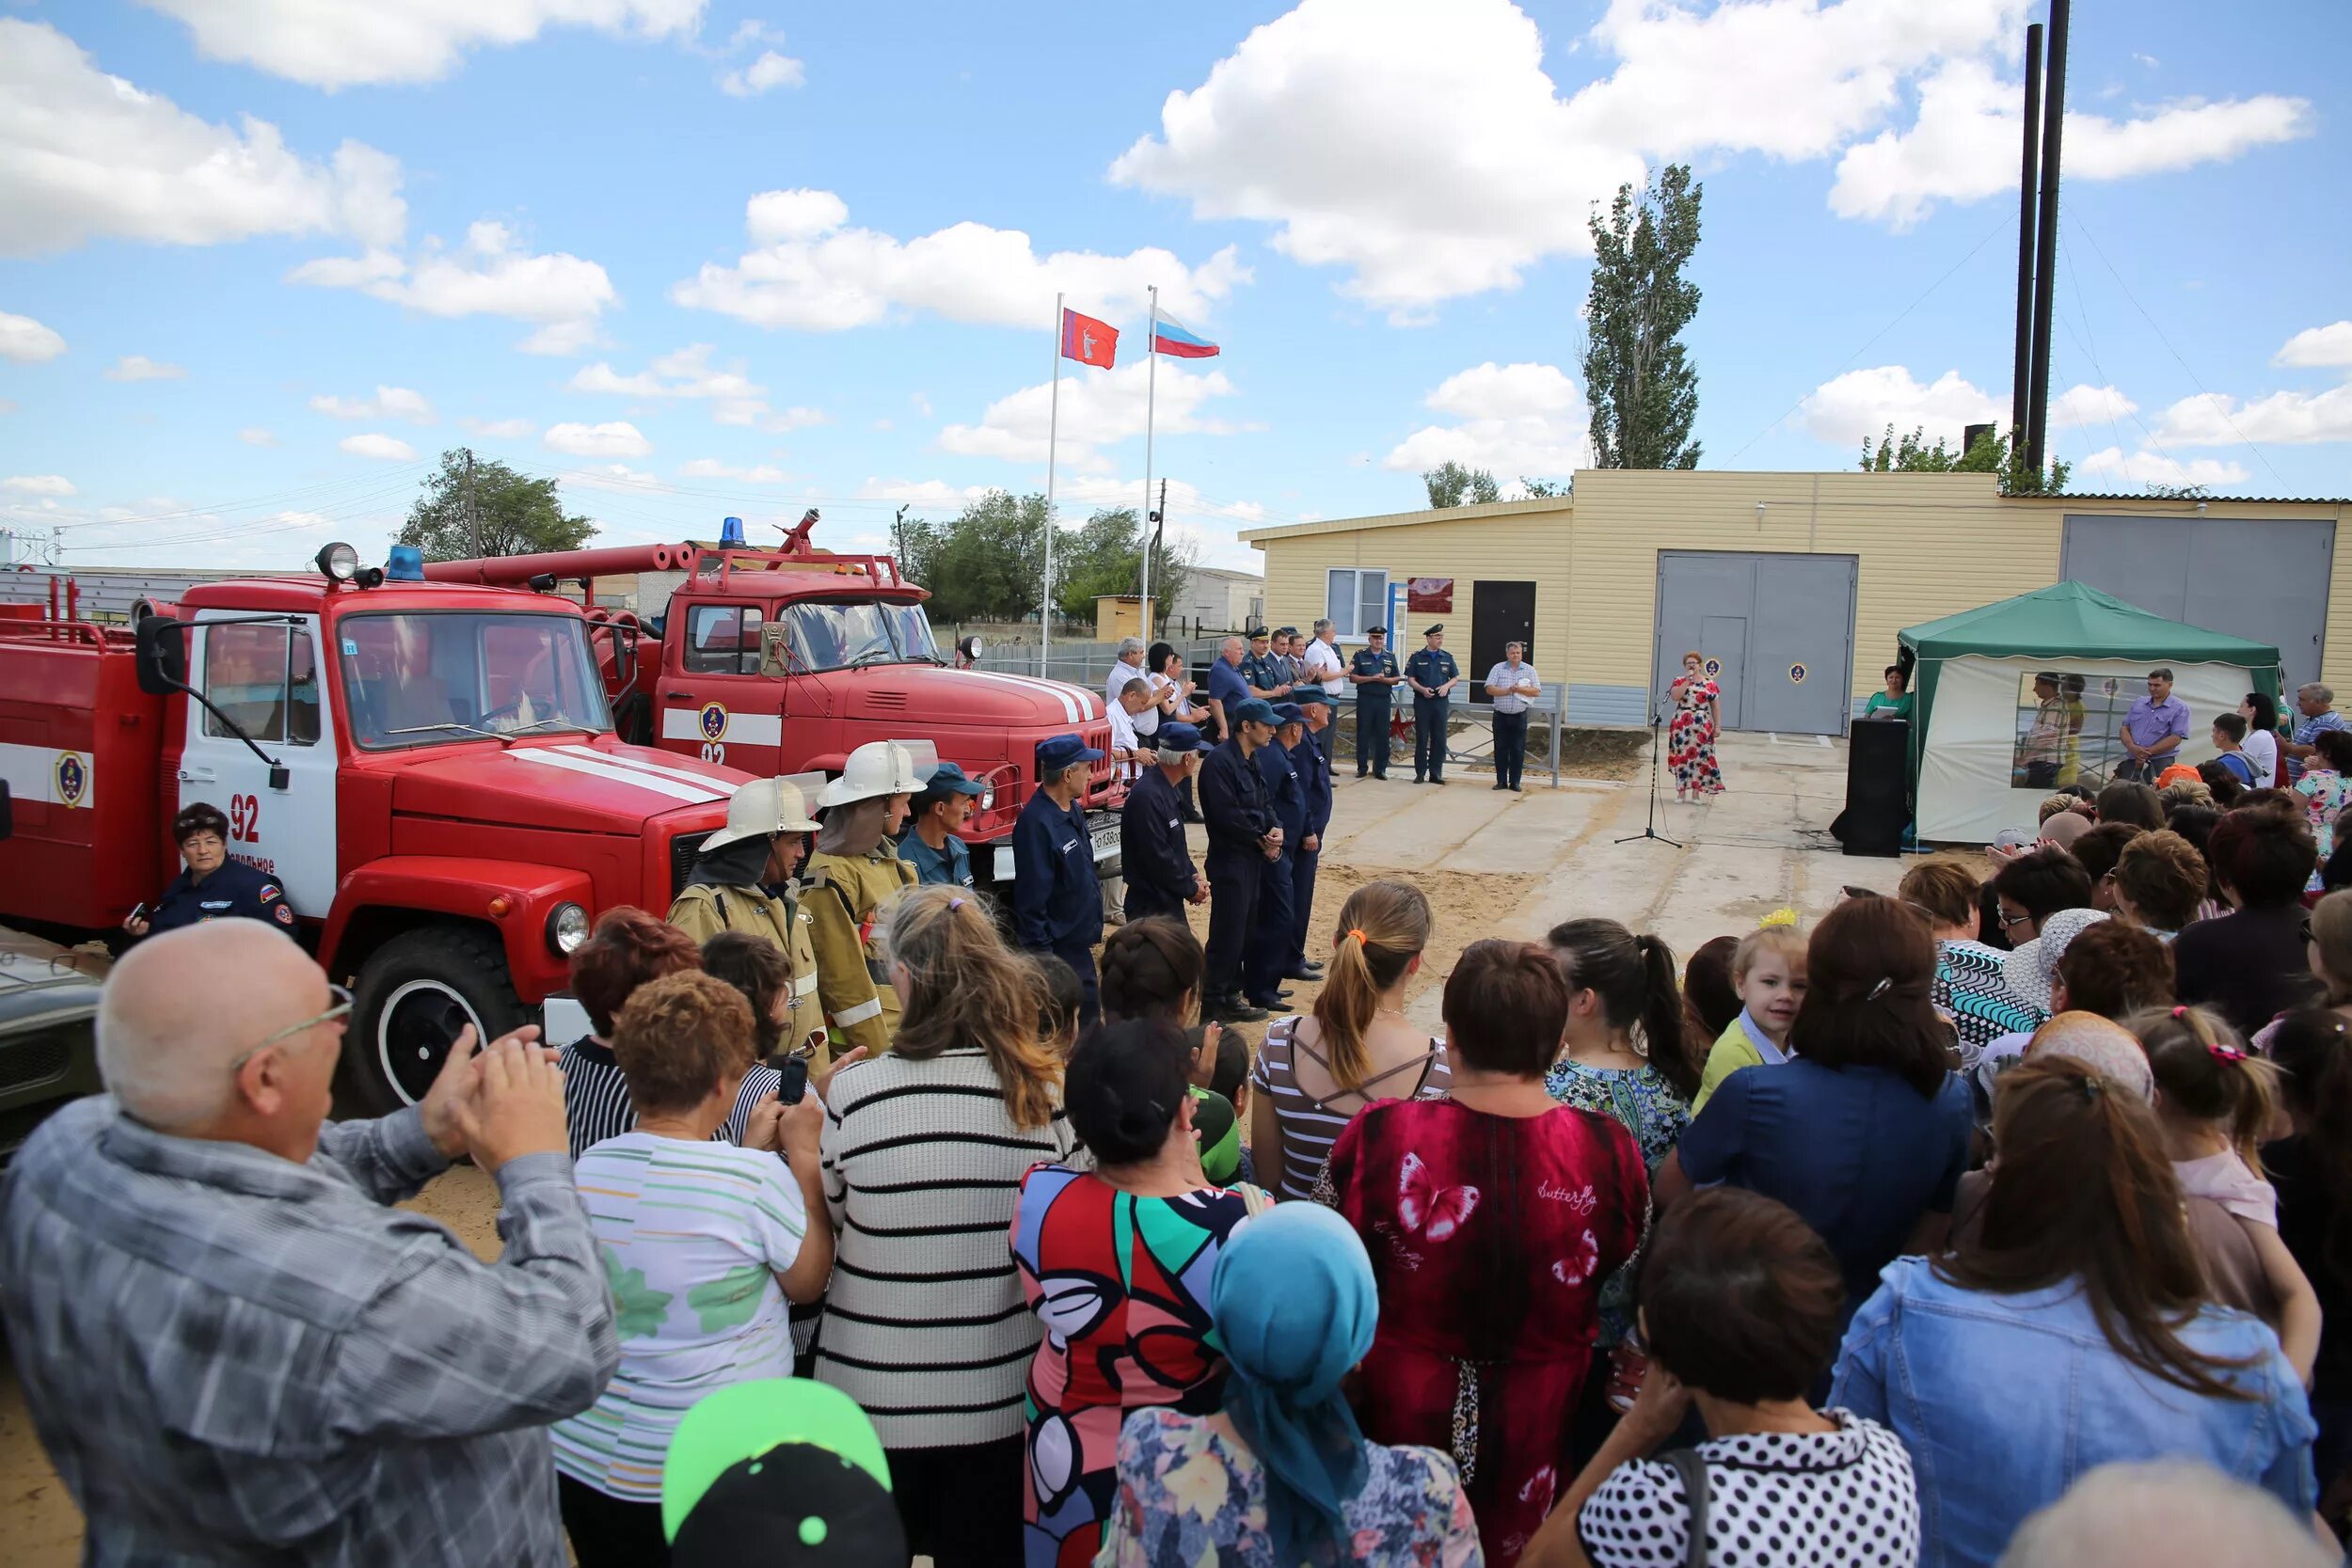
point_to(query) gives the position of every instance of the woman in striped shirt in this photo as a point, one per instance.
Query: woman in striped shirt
(1314, 1074)
(627, 949)
(925, 1325)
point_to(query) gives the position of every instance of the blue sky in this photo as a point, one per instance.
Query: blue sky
(698, 257)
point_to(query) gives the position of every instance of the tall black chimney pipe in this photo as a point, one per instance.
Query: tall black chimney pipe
(2045, 247)
(2020, 397)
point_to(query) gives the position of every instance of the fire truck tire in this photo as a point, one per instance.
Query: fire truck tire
(414, 994)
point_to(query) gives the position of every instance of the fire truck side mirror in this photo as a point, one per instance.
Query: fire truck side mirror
(162, 654)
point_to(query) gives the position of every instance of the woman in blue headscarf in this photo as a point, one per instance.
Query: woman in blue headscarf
(1280, 1477)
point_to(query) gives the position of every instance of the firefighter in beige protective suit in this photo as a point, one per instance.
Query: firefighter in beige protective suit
(854, 872)
(728, 890)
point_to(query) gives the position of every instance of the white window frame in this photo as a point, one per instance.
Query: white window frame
(1349, 626)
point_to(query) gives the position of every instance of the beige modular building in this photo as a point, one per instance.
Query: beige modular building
(1793, 585)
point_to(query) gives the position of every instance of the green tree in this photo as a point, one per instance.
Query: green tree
(1991, 454)
(471, 509)
(987, 564)
(1642, 390)
(1451, 485)
(1106, 557)
(1546, 489)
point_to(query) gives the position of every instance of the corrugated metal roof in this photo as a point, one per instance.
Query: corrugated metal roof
(2142, 499)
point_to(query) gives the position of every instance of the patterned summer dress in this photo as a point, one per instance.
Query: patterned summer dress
(1690, 737)
(1645, 1104)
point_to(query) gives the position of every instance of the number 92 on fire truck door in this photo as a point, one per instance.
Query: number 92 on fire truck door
(265, 678)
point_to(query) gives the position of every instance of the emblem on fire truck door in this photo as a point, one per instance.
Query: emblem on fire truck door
(72, 778)
(714, 720)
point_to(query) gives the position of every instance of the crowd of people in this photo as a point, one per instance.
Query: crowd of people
(1970, 1225)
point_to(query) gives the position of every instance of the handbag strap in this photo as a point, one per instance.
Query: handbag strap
(1690, 1465)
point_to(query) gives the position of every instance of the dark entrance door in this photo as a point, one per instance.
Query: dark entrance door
(1500, 612)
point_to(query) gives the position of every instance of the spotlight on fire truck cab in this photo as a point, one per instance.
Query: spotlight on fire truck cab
(340, 564)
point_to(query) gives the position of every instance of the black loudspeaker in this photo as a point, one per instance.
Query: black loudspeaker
(1878, 758)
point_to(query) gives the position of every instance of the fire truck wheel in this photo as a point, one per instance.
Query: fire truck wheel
(414, 994)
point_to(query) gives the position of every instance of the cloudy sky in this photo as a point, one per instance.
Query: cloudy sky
(262, 261)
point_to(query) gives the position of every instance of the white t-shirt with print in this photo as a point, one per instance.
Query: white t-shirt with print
(1322, 661)
(691, 1235)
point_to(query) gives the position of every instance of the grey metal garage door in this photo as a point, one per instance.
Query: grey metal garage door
(2265, 580)
(1778, 627)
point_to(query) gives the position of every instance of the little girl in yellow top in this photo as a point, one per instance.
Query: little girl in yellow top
(1768, 971)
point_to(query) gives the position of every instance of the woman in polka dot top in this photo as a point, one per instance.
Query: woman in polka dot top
(1740, 1305)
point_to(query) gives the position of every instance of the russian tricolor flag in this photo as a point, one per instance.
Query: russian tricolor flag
(1180, 341)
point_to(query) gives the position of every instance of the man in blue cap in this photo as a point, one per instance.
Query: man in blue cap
(1161, 880)
(1433, 675)
(930, 844)
(1269, 961)
(1374, 674)
(1243, 839)
(1313, 763)
(1056, 897)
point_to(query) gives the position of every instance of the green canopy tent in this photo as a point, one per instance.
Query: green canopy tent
(2016, 698)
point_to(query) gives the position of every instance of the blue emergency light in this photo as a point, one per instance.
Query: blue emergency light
(403, 563)
(731, 531)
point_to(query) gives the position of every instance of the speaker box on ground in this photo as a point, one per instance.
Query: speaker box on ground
(1878, 755)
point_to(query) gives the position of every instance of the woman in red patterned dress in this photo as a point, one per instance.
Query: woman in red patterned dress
(1492, 1218)
(1691, 734)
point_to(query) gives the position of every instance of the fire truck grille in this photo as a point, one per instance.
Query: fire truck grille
(684, 850)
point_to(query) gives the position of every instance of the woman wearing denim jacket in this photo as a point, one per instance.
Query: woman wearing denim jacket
(2071, 1330)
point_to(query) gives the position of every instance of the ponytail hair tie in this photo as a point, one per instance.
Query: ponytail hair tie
(2179, 1013)
(1357, 933)
(1778, 917)
(2223, 1051)
(954, 904)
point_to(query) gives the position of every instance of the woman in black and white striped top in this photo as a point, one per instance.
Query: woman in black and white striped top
(628, 948)
(925, 1323)
(1313, 1074)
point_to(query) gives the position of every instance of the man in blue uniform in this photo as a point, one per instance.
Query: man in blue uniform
(1242, 841)
(1056, 899)
(1313, 763)
(1269, 960)
(1159, 870)
(1373, 673)
(930, 844)
(1431, 673)
(1262, 671)
(214, 887)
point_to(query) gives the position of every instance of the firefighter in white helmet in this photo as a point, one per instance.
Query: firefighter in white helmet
(742, 882)
(854, 872)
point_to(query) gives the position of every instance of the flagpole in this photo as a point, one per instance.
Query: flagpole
(1151, 398)
(1053, 430)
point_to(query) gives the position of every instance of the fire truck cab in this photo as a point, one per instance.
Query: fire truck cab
(429, 770)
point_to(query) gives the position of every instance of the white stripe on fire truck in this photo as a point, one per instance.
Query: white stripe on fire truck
(743, 729)
(641, 765)
(605, 770)
(1074, 706)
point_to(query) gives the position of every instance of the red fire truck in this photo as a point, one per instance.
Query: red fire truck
(428, 770)
(786, 660)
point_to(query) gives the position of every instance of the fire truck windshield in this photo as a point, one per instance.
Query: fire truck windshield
(830, 636)
(422, 678)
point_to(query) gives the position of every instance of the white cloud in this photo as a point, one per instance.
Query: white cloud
(390, 448)
(685, 374)
(618, 477)
(2084, 405)
(755, 411)
(771, 70)
(489, 275)
(2328, 346)
(26, 341)
(87, 155)
(921, 492)
(1969, 119)
(1097, 408)
(812, 273)
(2155, 467)
(1859, 406)
(2289, 418)
(710, 468)
(38, 485)
(499, 430)
(138, 367)
(1522, 418)
(618, 439)
(1426, 149)
(390, 403)
(258, 436)
(337, 43)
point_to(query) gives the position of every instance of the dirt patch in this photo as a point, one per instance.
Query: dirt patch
(1585, 753)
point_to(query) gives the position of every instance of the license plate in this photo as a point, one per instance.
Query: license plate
(1105, 841)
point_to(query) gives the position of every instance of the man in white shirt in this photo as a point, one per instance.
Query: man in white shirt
(1129, 667)
(1322, 662)
(1513, 687)
(1128, 756)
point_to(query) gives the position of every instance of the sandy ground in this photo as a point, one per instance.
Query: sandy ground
(1493, 864)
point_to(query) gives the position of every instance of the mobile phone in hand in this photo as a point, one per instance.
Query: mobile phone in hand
(138, 911)
(795, 1086)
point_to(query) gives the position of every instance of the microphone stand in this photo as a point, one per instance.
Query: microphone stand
(1649, 829)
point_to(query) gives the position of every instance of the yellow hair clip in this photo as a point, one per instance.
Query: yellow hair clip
(1778, 917)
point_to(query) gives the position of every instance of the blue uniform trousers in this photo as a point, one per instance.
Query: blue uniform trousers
(1371, 732)
(1429, 737)
(1080, 957)
(1234, 875)
(1271, 932)
(1302, 899)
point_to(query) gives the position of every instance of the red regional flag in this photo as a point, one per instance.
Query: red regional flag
(1088, 341)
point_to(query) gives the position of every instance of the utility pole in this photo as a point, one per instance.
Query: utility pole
(1150, 547)
(899, 534)
(473, 517)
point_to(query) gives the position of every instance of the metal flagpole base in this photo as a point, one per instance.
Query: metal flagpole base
(1649, 829)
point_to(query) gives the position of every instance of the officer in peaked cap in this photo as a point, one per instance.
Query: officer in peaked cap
(1374, 674)
(1259, 670)
(1433, 675)
(1056, 897)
